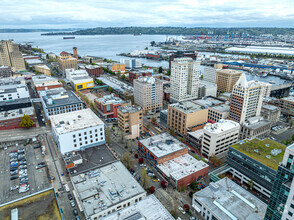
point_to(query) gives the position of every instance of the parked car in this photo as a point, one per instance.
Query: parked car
(69, 196)
(13, 165)
(78, 218)
(13, 151)
(13, 168)
(13, 160)
(13, 177)
(23, 162)
(14, 172)
(40, 166)
(14, 188)
(20, 150)
(72, 203)
(23, 175)
(22, 167)
(75, 212)
(23, 179)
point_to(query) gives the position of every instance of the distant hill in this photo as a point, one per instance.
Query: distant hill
(22, 30)
(176, 31)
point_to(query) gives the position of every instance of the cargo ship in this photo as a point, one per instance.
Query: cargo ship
(190, 38)
(137, 34)
(66, 38)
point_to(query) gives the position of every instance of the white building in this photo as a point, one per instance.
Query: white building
(131, 63)
(184, 79)
(12, 89)
(106, 190)
(209, 74)
(218, 137)
(58, 101)
(77, 130)
(79, 79)
(149, 208)
(226, 200)
(246, 99)
(207, 89)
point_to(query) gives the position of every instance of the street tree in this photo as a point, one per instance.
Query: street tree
(107, 136)
(127, 160)
(110, 89)
(26, 122)
(160, 69)
(153, 120)
(123, 76)
(145, 179)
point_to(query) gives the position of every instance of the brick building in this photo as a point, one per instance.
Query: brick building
(43, 82)
(136, 74)
(108, 105)
(94, 70)
(183, 170)
(161, 148)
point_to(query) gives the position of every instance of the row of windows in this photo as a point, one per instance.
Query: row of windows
(90, 132)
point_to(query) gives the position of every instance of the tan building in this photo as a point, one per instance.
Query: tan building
(43, 69)
(66, 61)
(226, 79)
(11, 56)
(148, 93)
(287, 105)
(186, 114)
(270, 112)
(130, 121)
(118, 67)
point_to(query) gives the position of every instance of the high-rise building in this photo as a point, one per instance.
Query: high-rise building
(246, 99)
(11, 56)
(281, 203)
(184, 83)
(75, 52)
(148, 93)
(226, 79)
(66, 61)
(209, 74)
(130, 121)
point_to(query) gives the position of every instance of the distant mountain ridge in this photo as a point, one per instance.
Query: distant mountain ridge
(176, 31)
(24, 30)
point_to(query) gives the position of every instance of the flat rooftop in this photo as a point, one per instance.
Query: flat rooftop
(187, 107)
(270, 107)
(162, 144)
(229, 71)
(261, 151)
(181, 167)
(15, 101)
(92, 158)
(16, 113)
(150, 208)
(196, 134)
(44, 80)
(72, 121)
(116, 84)
(222, 108)
(221, 126)
(59, 97)
(112, 184)
(256, 122)
(229, 201)
(110, 99)
(41, 205)
(289, 98)
(130, 109)
(209, 101)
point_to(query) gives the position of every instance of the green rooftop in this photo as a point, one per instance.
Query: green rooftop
(260, 150)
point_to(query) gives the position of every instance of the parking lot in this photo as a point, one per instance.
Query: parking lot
(37, 178)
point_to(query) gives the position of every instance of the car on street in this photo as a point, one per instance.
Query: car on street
(13, 151)
(40, 166)
(12, 173)
(69, 196)
(157, 180)
(72, 203)
(13, 165)
(75, 212)
(23, 162)
(77, 217)
(14, 188)
(13, 177)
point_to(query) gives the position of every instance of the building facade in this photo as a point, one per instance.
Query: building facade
(287, 105)
(270, 112)
(130, 121)
(218, 137)
(226, 79)
(43, 69)
(44, 82)
(5, 71)
(94, 71)
(186, 114)
(136, 74)
(118, 67)
(246, 99)
(207, 89)
(281, 203)
(66, 61)
(12, 90)
(255, 127)
(11, 56)
(79, 79)
(184, 79)
(59, 101)
(148, 93)
(209, 74)
(77, 130)
(163, 117)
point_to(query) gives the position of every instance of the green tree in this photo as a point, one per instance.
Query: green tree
(110, 89)
(127, 160)
(26, 121)
(153, 120)
(145, 179)
(201, 77)
(288, 142)
(107, 135)
(160, 69)
(123, 76)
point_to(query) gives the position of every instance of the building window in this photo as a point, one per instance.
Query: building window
(80, 134)
(85, 133)
(74, 136)
(80, 144)
(75, 145)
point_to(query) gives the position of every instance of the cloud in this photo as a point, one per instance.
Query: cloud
(190, 13)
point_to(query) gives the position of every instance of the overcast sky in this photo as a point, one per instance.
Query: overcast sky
(188, 13)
